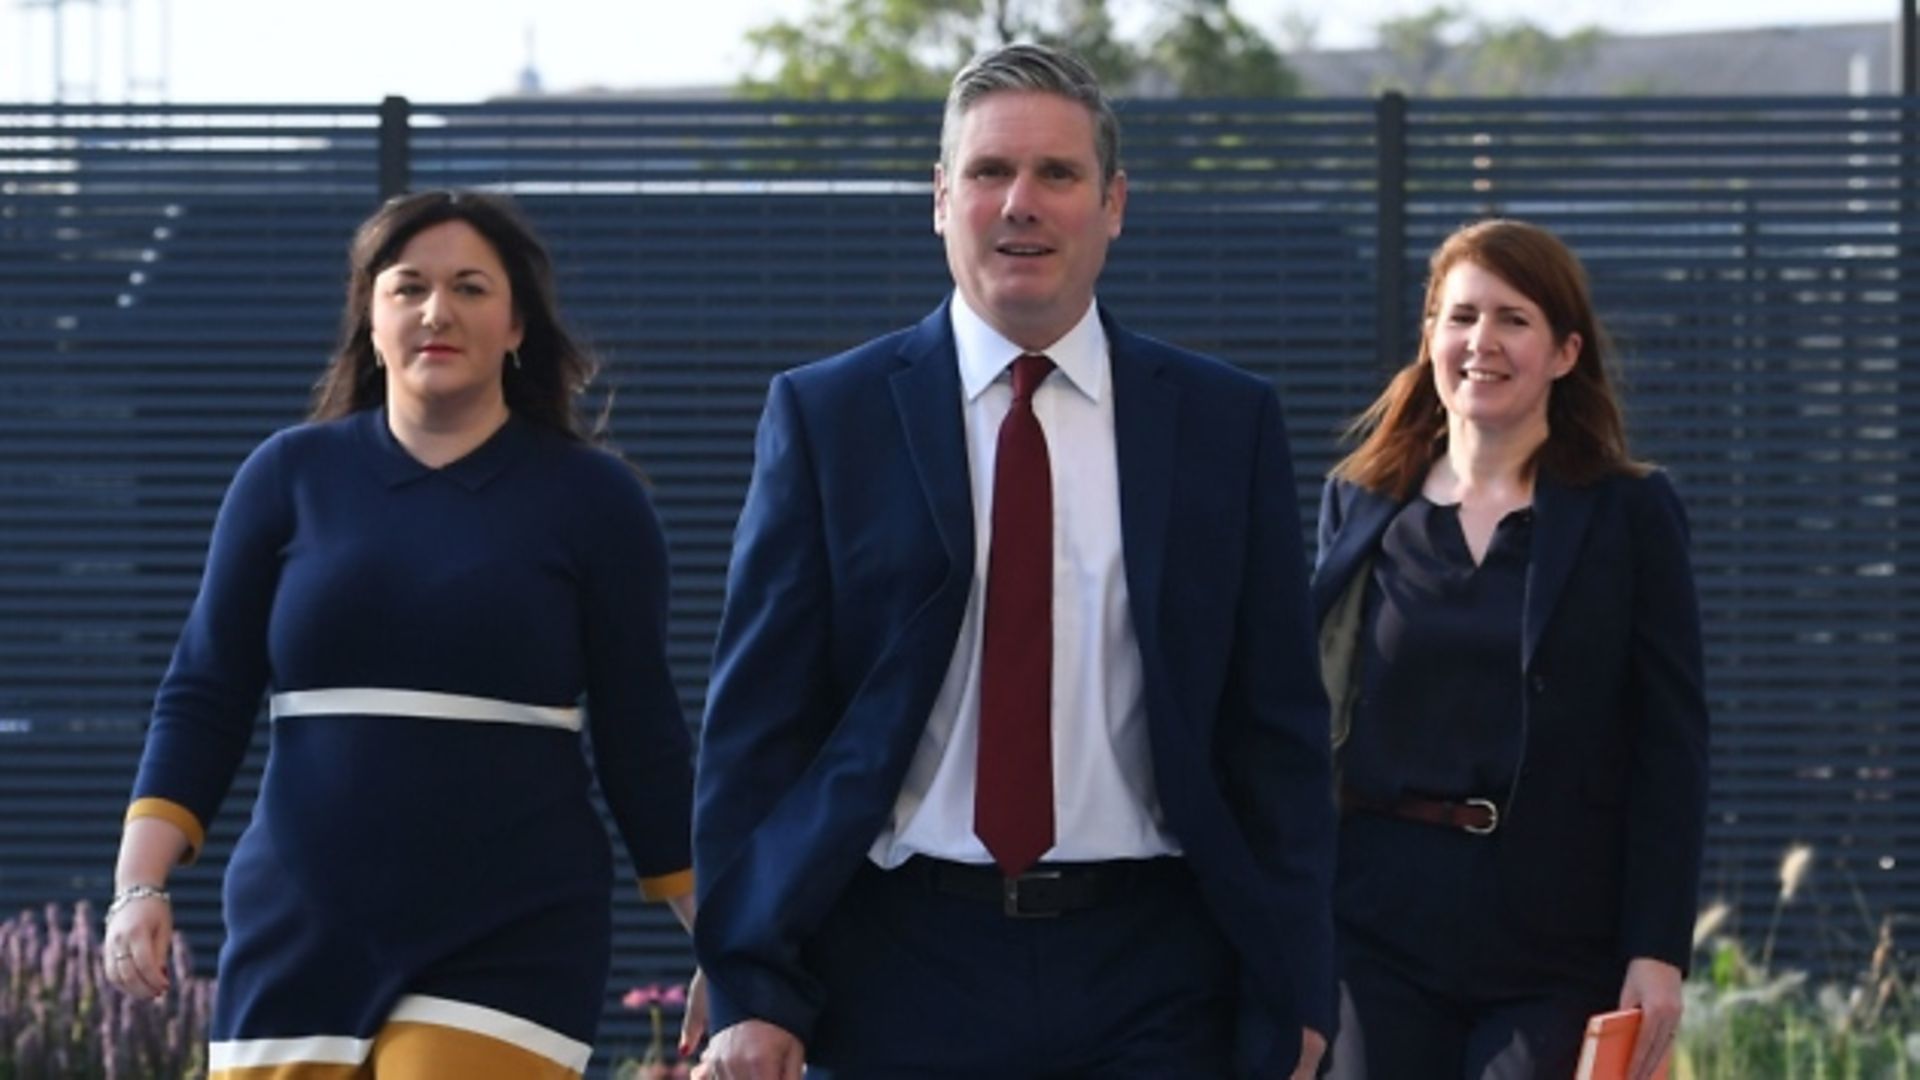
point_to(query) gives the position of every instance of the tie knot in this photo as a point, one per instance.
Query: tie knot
(1028, 371)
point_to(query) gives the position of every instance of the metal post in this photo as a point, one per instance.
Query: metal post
(1390, 228)
(1909, 45)
(396, 150)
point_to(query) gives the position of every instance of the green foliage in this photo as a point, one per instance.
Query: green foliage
(1417, 45)
(844, 50)
(1208, 51)
(1743, 1021)
(1086, 28)
(1513, 58)
(1442, 51)
(1777, 1028)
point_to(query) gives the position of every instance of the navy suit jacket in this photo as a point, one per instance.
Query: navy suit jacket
(852, 563)
(1601, 835)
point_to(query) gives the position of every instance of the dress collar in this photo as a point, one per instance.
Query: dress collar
(473, 471)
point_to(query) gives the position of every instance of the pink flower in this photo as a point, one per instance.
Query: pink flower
(655, 996)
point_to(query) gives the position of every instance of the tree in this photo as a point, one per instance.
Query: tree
(861, 49)
(1519, 57)
(1439, 51)
(1208, 51)
(846, 50)
(1416, 47)
(880, 49)
(1086, 28)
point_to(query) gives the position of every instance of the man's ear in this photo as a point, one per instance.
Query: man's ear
(939, 200)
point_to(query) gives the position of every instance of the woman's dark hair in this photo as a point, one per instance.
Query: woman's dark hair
(553, 368)
(1405, 428)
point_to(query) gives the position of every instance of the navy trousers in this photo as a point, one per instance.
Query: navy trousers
(924, 984)
(1436, 981)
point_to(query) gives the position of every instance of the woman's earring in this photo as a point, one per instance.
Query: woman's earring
(378, 360)
(513, 355)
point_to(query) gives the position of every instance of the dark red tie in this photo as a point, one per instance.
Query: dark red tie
(1013, 787)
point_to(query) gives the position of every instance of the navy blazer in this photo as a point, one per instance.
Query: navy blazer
(1601, 835)
(852, 563)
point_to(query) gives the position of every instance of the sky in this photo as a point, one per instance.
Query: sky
(358, 51)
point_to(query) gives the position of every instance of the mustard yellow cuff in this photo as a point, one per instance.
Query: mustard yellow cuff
(667, 886)
(179, 817)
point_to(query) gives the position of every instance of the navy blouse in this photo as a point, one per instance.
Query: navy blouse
(1439, 709)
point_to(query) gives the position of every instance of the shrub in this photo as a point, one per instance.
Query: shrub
(1745, 1020)
(61, 1020)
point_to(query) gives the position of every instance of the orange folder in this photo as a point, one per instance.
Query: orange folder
(1609, 1047)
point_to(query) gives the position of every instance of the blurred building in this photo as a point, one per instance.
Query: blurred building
(1849, 58)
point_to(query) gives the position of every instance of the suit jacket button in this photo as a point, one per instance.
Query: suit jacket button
(1538, 683)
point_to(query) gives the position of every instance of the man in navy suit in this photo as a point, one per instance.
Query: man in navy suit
(1016, 759)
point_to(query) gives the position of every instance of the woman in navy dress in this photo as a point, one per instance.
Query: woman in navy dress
(438, 583)
(1512, 647)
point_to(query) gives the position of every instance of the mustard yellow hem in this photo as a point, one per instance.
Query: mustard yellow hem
(667, 886)
(176, 815)
(408, 1050)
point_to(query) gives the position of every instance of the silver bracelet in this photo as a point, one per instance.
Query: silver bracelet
(136, 892)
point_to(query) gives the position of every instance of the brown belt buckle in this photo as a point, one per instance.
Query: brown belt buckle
(1493, 817)
(1010, 895)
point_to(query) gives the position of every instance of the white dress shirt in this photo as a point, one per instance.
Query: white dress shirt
(1105, 805)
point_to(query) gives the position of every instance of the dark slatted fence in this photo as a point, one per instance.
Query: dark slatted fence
(170, 280)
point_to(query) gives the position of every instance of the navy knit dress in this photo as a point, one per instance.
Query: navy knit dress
(423, 847)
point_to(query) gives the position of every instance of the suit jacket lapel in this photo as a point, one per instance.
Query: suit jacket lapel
(1365, 518)
(1146, 412)
(1559, 520)
(926, 391)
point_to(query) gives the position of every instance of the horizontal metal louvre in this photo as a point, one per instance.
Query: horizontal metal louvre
(170, 281)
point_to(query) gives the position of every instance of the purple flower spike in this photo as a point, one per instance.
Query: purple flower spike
(59, 1016)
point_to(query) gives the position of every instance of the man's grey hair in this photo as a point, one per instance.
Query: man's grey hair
(1033, 67)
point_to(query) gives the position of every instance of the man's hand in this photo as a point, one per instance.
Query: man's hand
(752, 1050)
(693, 1025)
(1653, 987)
(1313, 1047)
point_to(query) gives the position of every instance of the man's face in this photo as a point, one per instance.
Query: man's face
(1023, 214)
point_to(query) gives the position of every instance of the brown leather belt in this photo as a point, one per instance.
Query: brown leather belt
(1477, 816)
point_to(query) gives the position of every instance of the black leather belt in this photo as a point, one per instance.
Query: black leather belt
(1046, 891)
(1477, 816)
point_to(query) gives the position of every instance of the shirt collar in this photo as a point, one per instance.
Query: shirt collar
(474, 471)
(1080, 354)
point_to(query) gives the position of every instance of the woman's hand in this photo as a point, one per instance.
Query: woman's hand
(136, 945)
(138, 936)
(1653, 987)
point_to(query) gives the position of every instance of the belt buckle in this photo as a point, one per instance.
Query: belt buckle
(1493, 817)
(1010, 895)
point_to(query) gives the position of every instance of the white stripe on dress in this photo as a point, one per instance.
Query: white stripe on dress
(413, 1008)
(508, 1028)
(426, 704)
(311, 1050)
